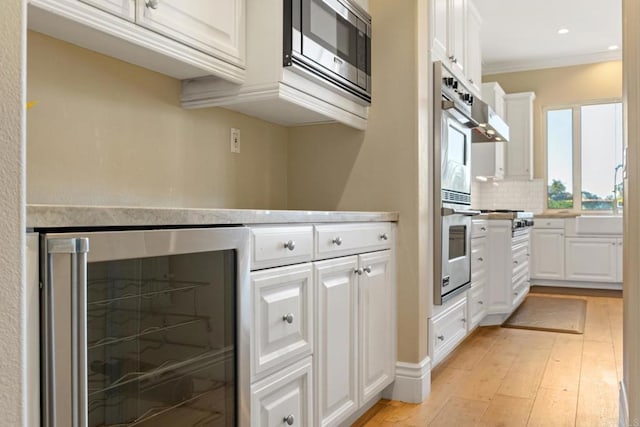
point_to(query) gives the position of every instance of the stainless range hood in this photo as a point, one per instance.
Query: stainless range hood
(491, 127)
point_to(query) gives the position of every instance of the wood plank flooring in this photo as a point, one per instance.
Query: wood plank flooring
(516, 377)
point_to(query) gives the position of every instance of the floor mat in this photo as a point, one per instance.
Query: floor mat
(549, 314)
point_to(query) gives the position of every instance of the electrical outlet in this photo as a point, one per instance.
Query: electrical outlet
(235, 140)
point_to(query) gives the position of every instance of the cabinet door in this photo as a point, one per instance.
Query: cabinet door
(473, 51)
(440, 28)
(457, 35)
(547, 254)
(376, 332)
(213, 27)
(619, 260)
(336, 339)
(123, 8)
(591, 259)
(519, 150)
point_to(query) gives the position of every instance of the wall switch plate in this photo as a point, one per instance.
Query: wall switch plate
(235, 140)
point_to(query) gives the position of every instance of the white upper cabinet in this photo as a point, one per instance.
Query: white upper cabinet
(183, 39)
(519, 149)
(123, 8)
(455, 40)
(213, 27)
(474, 50)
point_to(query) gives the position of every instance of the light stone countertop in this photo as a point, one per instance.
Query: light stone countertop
(63, 216)
(556, 215)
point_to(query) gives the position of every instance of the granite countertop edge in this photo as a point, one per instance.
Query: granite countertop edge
(75, 216)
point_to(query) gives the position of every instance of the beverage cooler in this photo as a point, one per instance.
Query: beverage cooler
(141, 328)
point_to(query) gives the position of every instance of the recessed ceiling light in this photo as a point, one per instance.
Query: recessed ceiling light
(614, 47)
(563, 31)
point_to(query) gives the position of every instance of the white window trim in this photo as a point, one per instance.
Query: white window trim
(576, 148)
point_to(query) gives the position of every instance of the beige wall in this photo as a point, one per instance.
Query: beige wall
(561, 86)
(335, 167)
(13, 291)
(136, 145)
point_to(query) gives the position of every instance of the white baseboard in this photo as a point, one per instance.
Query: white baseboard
(412, 384)
(575, 284)
(623, 420)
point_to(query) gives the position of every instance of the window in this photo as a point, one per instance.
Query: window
(584, 157)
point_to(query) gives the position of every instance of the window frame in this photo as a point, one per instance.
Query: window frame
(576, 147)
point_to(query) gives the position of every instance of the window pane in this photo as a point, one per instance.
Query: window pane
(601, 130)
(559, 159)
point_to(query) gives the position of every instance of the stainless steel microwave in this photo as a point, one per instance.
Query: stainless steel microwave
(332, 40)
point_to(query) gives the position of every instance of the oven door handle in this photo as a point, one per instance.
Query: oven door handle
(464, 212)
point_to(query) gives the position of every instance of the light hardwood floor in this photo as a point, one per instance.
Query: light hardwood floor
(515, 377)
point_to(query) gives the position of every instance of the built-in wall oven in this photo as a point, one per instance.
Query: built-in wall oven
(453, 125)
(330, 40)
(142, 328)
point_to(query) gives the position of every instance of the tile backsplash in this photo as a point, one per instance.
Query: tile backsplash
(510, 194)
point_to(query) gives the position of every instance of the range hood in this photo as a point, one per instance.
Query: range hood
(491, 127)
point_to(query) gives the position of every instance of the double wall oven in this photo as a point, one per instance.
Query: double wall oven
(453, 124)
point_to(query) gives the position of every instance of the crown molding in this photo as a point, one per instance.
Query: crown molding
(538, 64)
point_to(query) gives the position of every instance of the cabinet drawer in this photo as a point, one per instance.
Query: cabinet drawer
(520, 259)
(479, 260)
(345, 239)
(276, 246)
(282, 319)
(448, 329)
(520, 291)
(479, 228)
(549, 223)
(476, 304)
(284, 396)
(521, 239)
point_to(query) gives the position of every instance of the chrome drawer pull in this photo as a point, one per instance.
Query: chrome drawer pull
(367, 269)
(289, 420)
(288, 318)
(291, 245)
(152, 4)
(483, 228)
(480, 302)
(337, 241)
(358, 271)
(480, 259)
(441, 337)
(384, 236)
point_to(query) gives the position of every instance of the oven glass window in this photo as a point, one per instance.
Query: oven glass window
(457, 147)
(161, 341)
(457, 241)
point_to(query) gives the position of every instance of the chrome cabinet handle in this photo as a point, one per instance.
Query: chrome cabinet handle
(358, 271)
(483, 228)
(289, 420)
(288, 318)
(291, 245)
(441, 337)
(480, 302)
(367, 269)
(384, 236)
(453, 59)
(337, 241)
(515, 262)
(463, 320)
(480, 259)
(152, 4)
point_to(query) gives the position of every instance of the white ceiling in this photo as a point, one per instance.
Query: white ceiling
(523, 34)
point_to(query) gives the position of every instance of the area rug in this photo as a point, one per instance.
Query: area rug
(549, 314)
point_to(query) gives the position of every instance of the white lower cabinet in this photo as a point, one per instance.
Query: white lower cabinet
(447, 329)
(547, 254)
(354, 326)
(476, 305)
(285, 398)
(591, 259)
(323, 332)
